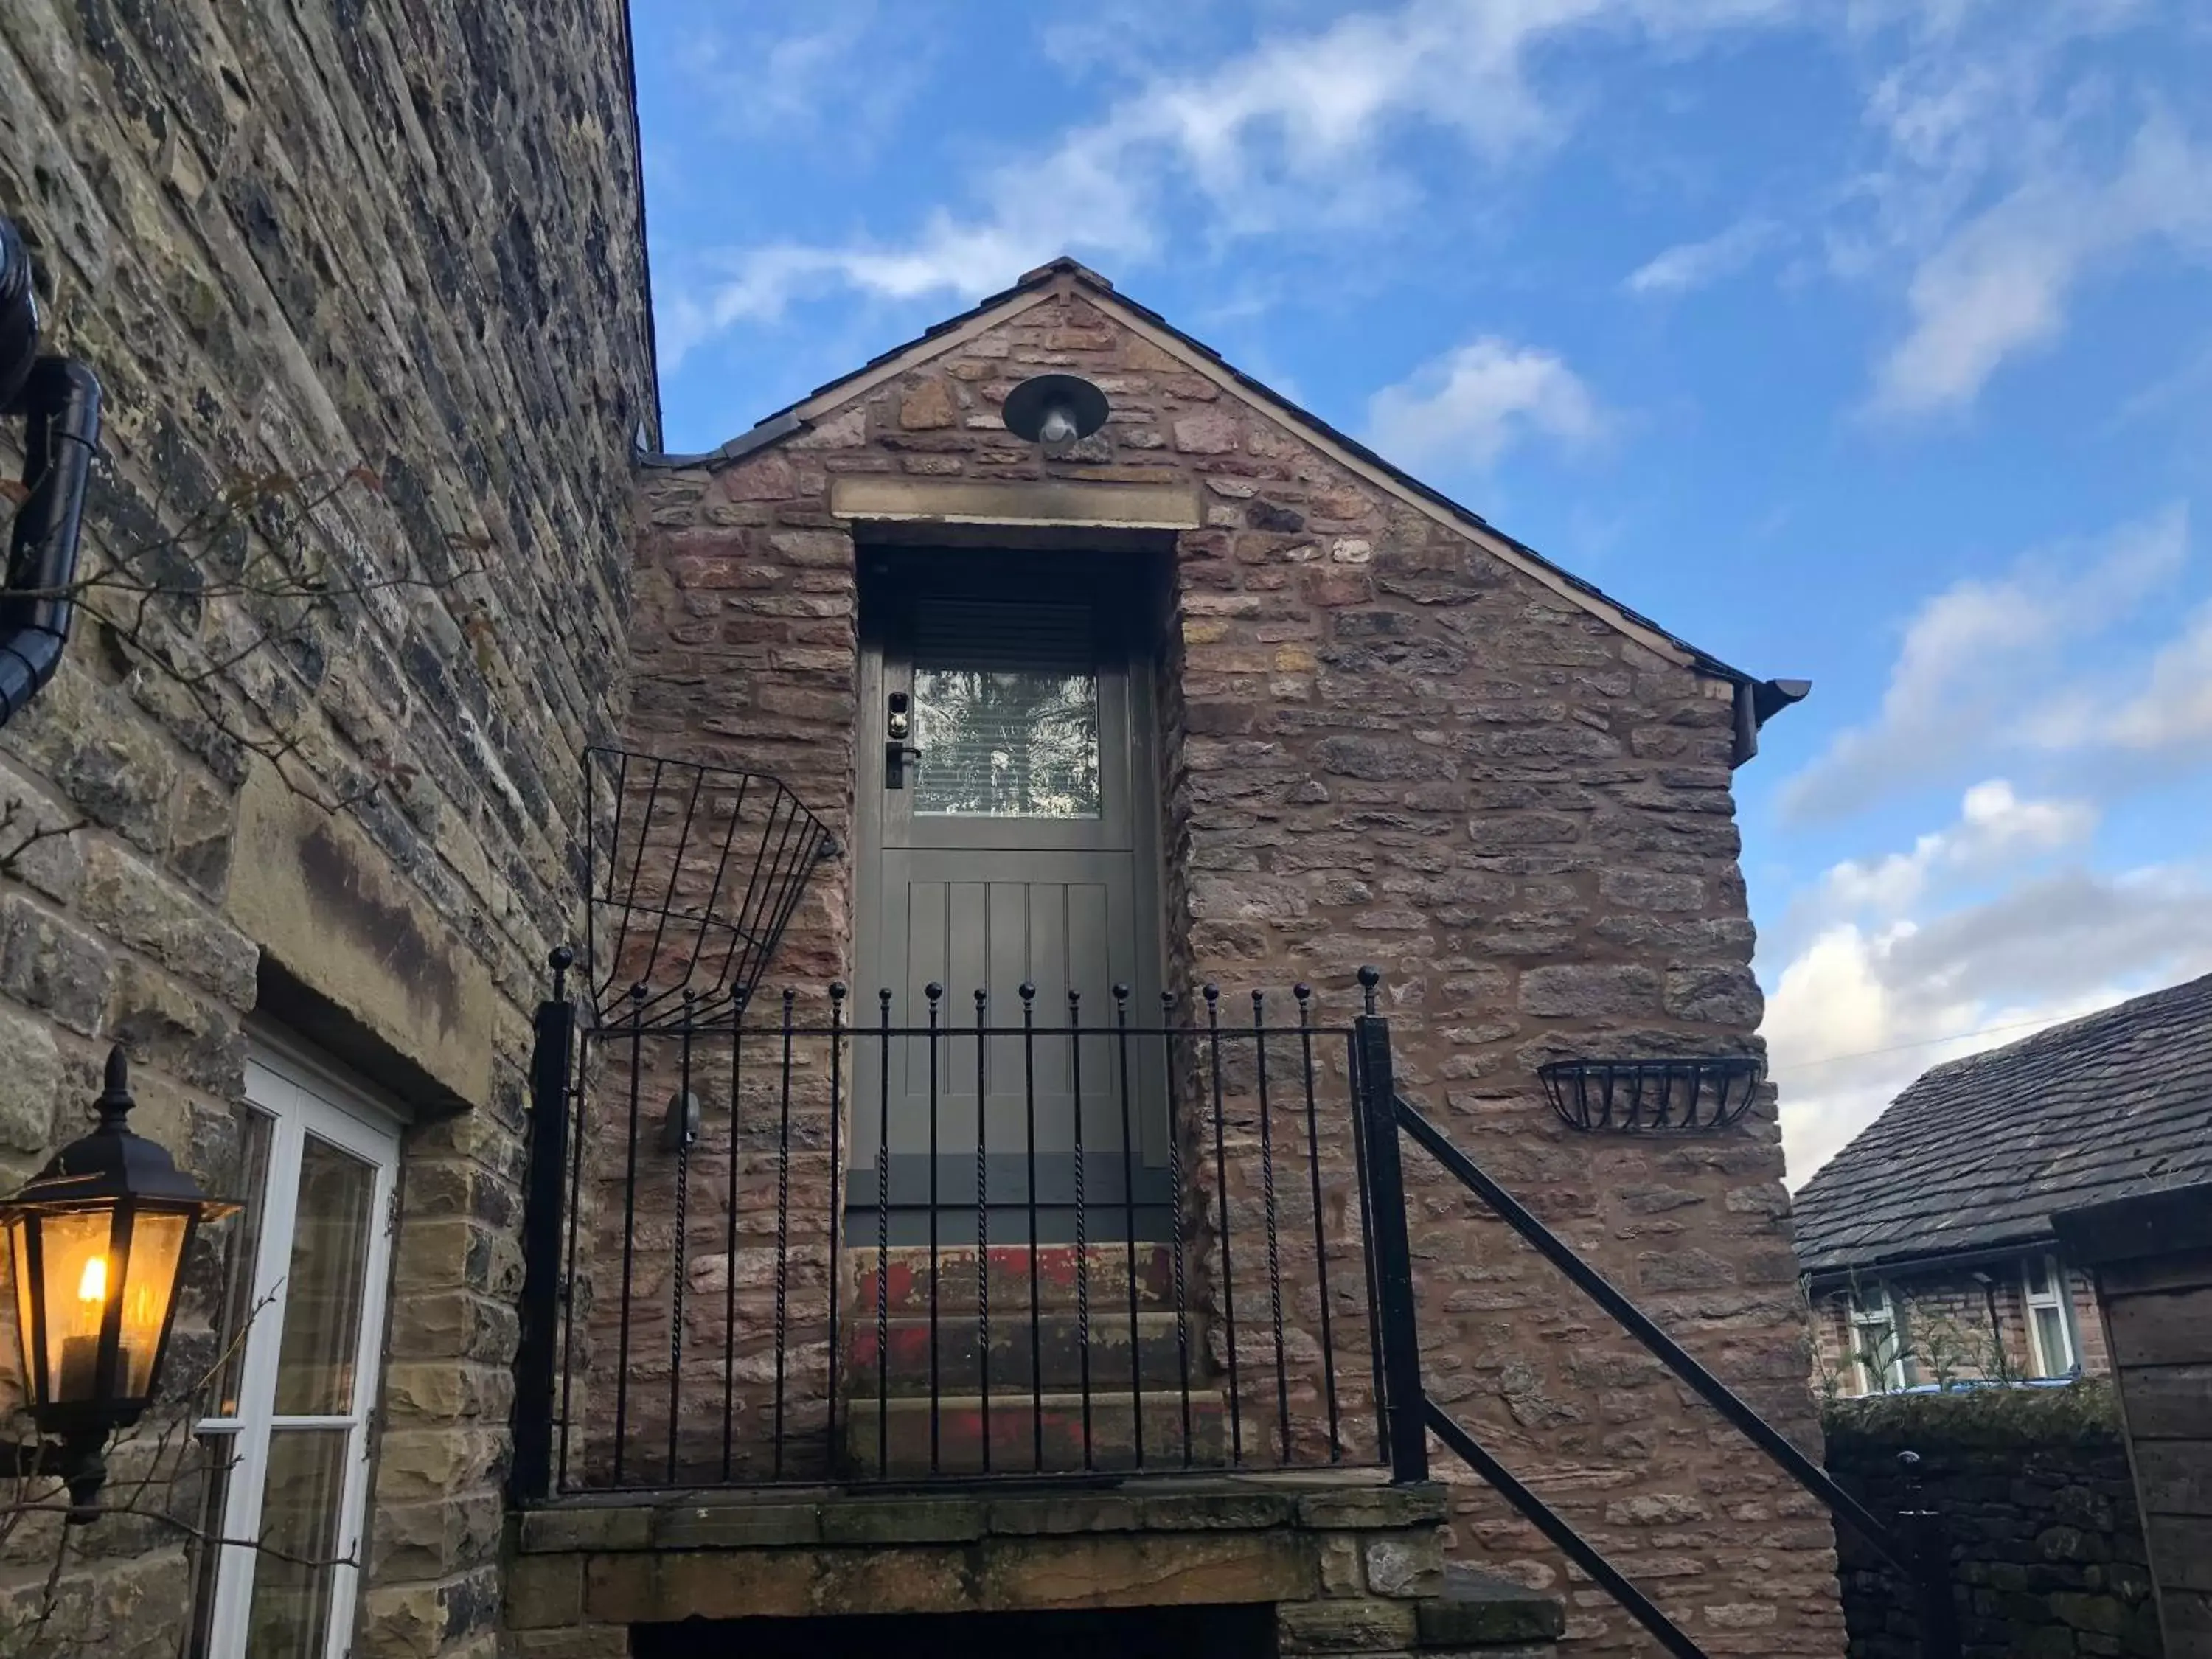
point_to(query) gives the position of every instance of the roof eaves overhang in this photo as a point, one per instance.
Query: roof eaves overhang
(1754, 700)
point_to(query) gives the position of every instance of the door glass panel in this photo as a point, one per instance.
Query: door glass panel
(293, 1575)
(325, 1283)
(1006, 698)
(219, 1452)
(242, 1251)
(1006, 743)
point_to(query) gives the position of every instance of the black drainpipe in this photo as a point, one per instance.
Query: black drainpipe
(58, 399)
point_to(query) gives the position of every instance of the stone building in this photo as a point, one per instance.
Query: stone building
(1207, 697)
(1927, 1242)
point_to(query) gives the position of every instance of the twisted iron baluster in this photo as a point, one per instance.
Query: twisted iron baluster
(1130, 1225)
(1082, 1217)
(1304, 995)
(1267, 1192)
(983, 1237)
(1221, 1180)
(782, 1230)
(1175, 1221)
(883, 1241)
(1036, 1318)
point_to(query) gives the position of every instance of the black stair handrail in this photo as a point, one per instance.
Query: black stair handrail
(1411, 1415)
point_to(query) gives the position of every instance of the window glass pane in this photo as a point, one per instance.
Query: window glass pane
(2038, 1275)
(242, 1243)
(289, 1618)
(325, 1283)
(1006, 743)
(218, 1452)
(2052, 1346)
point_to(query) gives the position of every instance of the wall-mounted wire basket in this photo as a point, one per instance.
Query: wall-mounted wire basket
(1651, 1096)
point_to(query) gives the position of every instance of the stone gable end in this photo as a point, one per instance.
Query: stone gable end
(1381, 743)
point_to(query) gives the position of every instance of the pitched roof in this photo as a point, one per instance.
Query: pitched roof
(1979, 1151)
(1766, 698)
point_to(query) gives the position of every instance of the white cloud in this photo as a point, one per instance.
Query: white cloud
(1893, 973)
(1999, 284)
(1688, 265)
(1290, 133)
(1471, 403)
(1996, 664)
(1995, 827)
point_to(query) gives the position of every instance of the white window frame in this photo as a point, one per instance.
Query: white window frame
(2055, 1299)
(1866, 1309)
(303, 1096)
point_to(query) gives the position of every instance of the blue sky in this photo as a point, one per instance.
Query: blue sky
(1868, 342)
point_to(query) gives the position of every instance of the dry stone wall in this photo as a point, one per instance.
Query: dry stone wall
(1383, 744)
(294, 241)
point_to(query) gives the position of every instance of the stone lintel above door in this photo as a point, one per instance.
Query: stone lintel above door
(1056, 501)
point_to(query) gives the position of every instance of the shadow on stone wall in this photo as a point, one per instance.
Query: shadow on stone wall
(2033, 1484)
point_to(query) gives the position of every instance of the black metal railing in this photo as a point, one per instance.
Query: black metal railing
(792, 1245)
(1914, 1543)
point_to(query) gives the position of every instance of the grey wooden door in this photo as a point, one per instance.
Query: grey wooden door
(1015, 848)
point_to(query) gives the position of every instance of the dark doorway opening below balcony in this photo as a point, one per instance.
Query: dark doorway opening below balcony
(1216, 1633)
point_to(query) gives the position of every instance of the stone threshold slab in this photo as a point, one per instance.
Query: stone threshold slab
(785, 1518)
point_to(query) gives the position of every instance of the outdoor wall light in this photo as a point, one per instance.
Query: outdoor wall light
(99, 1239)
(1055, 410)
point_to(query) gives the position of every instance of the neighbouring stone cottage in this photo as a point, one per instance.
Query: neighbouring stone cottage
(1209, 695)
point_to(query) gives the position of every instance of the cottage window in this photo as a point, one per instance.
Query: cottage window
(1877, 1341)
(288, 1438)
(2050, 1335)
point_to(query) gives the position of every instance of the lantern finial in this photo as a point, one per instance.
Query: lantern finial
(115, 1100)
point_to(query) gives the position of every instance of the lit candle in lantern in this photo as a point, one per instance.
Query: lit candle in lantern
(80, 1378)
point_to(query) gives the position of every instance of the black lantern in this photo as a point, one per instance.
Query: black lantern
(99, 1239)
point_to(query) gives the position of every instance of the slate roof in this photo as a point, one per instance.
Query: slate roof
(1979, 1151)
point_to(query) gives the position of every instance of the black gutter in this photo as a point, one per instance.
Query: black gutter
(59, 400)
(1928, 1263)
(644, 240)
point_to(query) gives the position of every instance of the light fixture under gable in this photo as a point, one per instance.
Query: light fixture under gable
(1055, 410)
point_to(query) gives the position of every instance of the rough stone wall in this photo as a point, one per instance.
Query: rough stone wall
(1390, 747)
(296, 241)
(1948, 1333)
(2033, 1488)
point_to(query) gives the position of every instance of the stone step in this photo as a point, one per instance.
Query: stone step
(1015, 1424)
(1104, 1272)
(1055, 1340)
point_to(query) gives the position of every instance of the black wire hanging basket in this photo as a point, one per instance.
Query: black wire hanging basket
(694, 873)
(1653, 1097)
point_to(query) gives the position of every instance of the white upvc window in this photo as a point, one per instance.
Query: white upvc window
(288, 1432)
(1877, 1339)
(2049, 1332)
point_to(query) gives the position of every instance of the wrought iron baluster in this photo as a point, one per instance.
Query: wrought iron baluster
(883, 1240)
(836, 1192)
(630, 1224)
(1221, 1182)
(729, 1239)
(1082, 1218)
(1037, 1317)
(1381, 1377)
(1129, 1225)
(680, 1245)
(934, 991)
(1175, 1220)
(575, 1226)
(782, 1231)
(983, 1234)
(1305, 995)
(1267, 1199)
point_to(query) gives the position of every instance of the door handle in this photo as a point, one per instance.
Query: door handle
(899, 727)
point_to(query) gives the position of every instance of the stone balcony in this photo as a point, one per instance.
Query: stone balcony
(1312, 1563)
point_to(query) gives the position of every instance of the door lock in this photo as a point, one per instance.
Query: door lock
(899, 727)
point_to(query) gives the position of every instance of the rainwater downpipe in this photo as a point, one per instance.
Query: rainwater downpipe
(58, 399)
